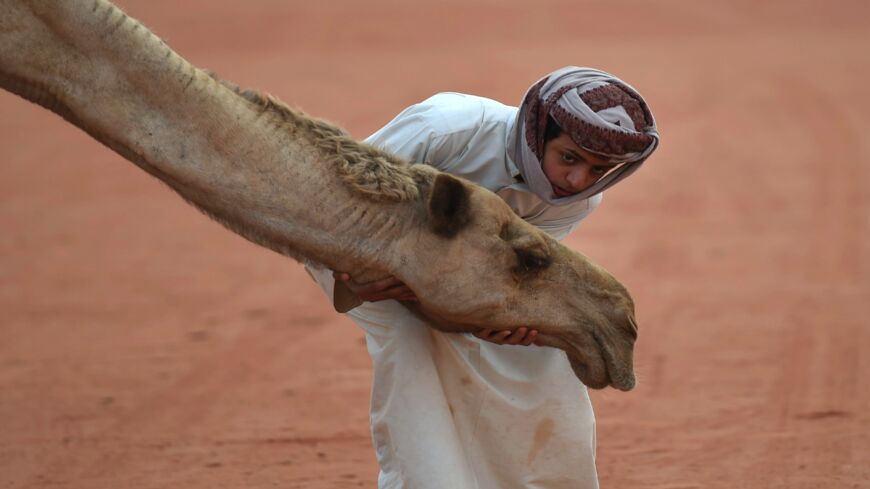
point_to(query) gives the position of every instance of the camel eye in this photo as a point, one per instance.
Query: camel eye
(530, 261)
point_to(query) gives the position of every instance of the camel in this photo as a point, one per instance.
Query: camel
(304, 188)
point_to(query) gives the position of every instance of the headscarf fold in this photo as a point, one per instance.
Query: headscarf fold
(601, 113)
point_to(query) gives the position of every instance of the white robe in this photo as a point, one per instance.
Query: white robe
(450, 411)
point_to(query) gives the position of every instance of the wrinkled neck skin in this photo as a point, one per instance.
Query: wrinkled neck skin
(110, 76)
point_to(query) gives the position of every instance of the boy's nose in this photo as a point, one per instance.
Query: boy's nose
(577, 178)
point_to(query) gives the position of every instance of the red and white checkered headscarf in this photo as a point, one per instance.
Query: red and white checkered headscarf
(601, 113)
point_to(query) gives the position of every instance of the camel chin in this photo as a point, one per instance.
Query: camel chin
(599, 380)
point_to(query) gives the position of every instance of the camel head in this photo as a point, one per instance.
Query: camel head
(472, 241)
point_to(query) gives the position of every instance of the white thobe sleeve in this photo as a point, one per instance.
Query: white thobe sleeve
(417, 134)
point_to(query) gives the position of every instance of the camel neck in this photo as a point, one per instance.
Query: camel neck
(251, 169)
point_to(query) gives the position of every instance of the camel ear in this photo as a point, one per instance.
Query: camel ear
(448, 206)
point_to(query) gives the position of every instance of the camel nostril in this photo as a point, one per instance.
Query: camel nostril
(632, 327)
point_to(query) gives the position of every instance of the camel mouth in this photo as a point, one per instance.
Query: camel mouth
(623, 383)
(589, 368)
(621, 374)
(581, 370)
(600, 369)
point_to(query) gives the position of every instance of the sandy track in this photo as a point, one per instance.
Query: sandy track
(143, 346)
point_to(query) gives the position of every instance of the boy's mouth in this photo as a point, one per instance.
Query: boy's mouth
(560, 192)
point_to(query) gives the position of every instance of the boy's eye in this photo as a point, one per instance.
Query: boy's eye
(600, 170)
(568, 157)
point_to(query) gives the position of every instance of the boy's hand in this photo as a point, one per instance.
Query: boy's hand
(379, 290)
(393, 288)
(522, 336)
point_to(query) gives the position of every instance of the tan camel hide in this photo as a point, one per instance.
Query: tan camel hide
(301, 187)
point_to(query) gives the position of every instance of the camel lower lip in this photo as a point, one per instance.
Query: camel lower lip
(624, 385)
(596, 369)
(617, 377)
(581, 370)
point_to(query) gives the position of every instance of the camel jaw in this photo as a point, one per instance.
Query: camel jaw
(602, 352)
(623, 382)
(620, 374)
(594, 363)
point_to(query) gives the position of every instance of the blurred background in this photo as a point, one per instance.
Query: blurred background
(142, 345)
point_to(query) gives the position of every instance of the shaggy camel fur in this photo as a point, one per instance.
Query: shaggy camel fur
(303, 188)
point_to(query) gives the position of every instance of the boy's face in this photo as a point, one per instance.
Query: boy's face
(570, 168)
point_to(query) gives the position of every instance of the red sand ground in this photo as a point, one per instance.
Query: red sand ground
(143, 346)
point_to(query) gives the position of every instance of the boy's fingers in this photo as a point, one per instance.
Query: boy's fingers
(341, 276)
(398, 291)
(404, 290)
(517, 337)
(378, 290)
(385, 283)
(389, 288)
(530, 338)
(492, 336)
(521, 336)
